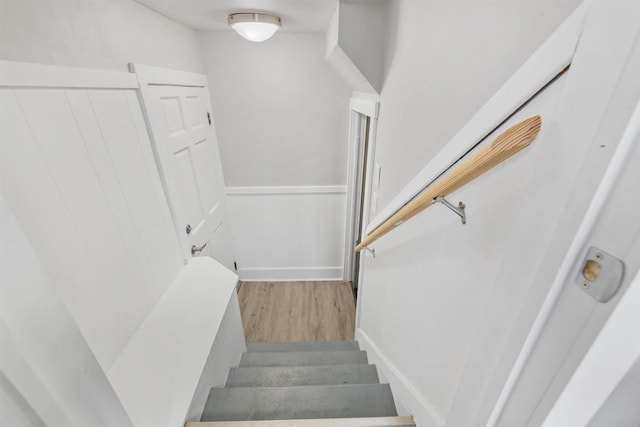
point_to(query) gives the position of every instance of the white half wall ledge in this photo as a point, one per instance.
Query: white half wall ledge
(225, 354)
(175, 338)
(407, 397)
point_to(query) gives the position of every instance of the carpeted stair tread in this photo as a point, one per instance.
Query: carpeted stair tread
(304, 402)
(283, 376)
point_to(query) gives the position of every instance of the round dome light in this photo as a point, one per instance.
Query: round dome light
(256, 27)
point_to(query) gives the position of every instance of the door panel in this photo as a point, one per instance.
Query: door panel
(187, 153)
(193, 108)
(202, 156)
(187, 192)
(172, 115)
(187, 159)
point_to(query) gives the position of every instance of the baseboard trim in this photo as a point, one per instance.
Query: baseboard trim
(403, 391)
(281, 190)
(285, 274)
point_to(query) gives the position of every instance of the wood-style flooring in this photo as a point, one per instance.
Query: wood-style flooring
(297, 311)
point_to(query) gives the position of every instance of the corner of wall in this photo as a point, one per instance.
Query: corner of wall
(343, 63)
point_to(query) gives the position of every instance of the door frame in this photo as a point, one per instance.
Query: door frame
(358, 161)
(155, 76)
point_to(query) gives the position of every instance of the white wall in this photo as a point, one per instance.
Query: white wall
(48, 374)
(281, 115)
(437, 274)
(288, 233)
(362, 36)
(105, 34)
(78, 171)
(355, 43)
(445, 307)
(444, 61)
(91, 204)
(281, 112)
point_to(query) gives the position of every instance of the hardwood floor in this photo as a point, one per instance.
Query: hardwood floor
(297, 311)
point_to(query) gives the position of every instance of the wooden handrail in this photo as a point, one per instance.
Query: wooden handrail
(504, 146)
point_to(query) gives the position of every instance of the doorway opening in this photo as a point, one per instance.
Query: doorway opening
(363, 121)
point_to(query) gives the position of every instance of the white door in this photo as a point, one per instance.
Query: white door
(178, 110)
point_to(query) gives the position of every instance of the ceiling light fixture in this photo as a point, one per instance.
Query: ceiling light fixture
(256, 27)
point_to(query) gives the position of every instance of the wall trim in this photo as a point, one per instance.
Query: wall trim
(281, 190)
(368, 107)
(403, 391)
(158, 76)
(288, 274)
(29, 75)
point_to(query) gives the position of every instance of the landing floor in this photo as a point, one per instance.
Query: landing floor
(297, 311)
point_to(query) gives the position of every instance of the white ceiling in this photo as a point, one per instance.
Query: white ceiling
(296, 15)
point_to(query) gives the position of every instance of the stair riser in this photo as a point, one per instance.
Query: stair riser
(302, 375)
(303, 358)
(405, 421)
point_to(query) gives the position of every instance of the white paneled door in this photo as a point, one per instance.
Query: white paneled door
(186, 149)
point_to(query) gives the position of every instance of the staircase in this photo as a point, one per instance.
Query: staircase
(304, 383)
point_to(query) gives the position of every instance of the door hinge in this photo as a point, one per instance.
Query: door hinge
(209, 117)
(235, 265)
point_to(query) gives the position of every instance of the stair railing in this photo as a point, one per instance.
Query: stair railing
(504, 146)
